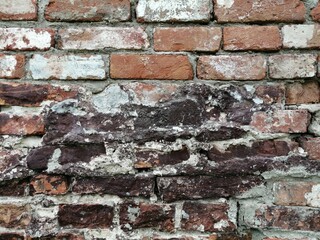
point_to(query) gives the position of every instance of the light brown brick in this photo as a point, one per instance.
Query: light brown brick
(256, 38)
(13, 216)
(300, 93)
(136, 66)
(206, 39)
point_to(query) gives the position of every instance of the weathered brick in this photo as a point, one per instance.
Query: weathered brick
(301, 36)
(67, 67)
(200, 187)
(289, 218)
(21, 125)
(84, 10)
(11, 236)
(315, 13)
(170, 67)
(38, 158)
(281, 121)
(49, 184)
(147, 215)
(96, 38)
(300, 93)
(13, 216)
(26, 94)
(150, 158)
(85, 216)
(292, 193)
(202, 39)
(18, 10)
(123, 186)
(12, 66)
(173, 11)
(206, 217)
(312, 147)
(290, 66)
(26, 38)
(59, 236)
(270, 93)
(15, 187)
(256, 38)
(259, 11)
(246, 67)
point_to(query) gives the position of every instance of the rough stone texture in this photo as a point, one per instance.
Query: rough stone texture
(123, 186)
(312, 147)
(13, 216)
(175, 11)
(301, 36)
(300, 93)
(103, 37)
(26, 38)
(289, 218)
(33, 95)
(283, 121)
(260, 11)
(85, 216)
(202, 39)
(199, 187)
(144, 215)
(231, 67)
(83, 10)
(256, 38)
(12, 66)
(292, 193)
(49, 184)
(315, 13)
(67, 67)
(289, 66)
(21, 125)
(18, 10)
(175, 67)
(206, 217)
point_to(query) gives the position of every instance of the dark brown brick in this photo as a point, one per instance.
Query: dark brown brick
(85, 216)
(15, 187)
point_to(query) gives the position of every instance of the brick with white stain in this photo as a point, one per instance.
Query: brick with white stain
(301, 36)
(12, 66)
(18, 10)
(67, 67)
(26, 38)
(246, 67)
(173, 11)
(103, 37)
(290, 66)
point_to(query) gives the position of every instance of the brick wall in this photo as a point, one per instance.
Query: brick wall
(159, 119)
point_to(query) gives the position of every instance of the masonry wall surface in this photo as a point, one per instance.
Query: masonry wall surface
(159, 119)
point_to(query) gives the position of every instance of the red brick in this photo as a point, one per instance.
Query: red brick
(85, 216)
(292, 66)
(206, 217)
(204, 39)
(281, 121)
(67, 67)
(315, 13)
(136, 66)
(271, 94)
(246, 67)
(312, 147)
(291, 193)
(13, 216)
(96, 38)
(301, 36)
(21, 125)
(146, 215)
(26, 38)
(26, 94)
(12, 66)
(49, 184)
(256, 38)
(84, 10)
(18, 10)
(300, 93)
(259, 11)
(173, 11)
